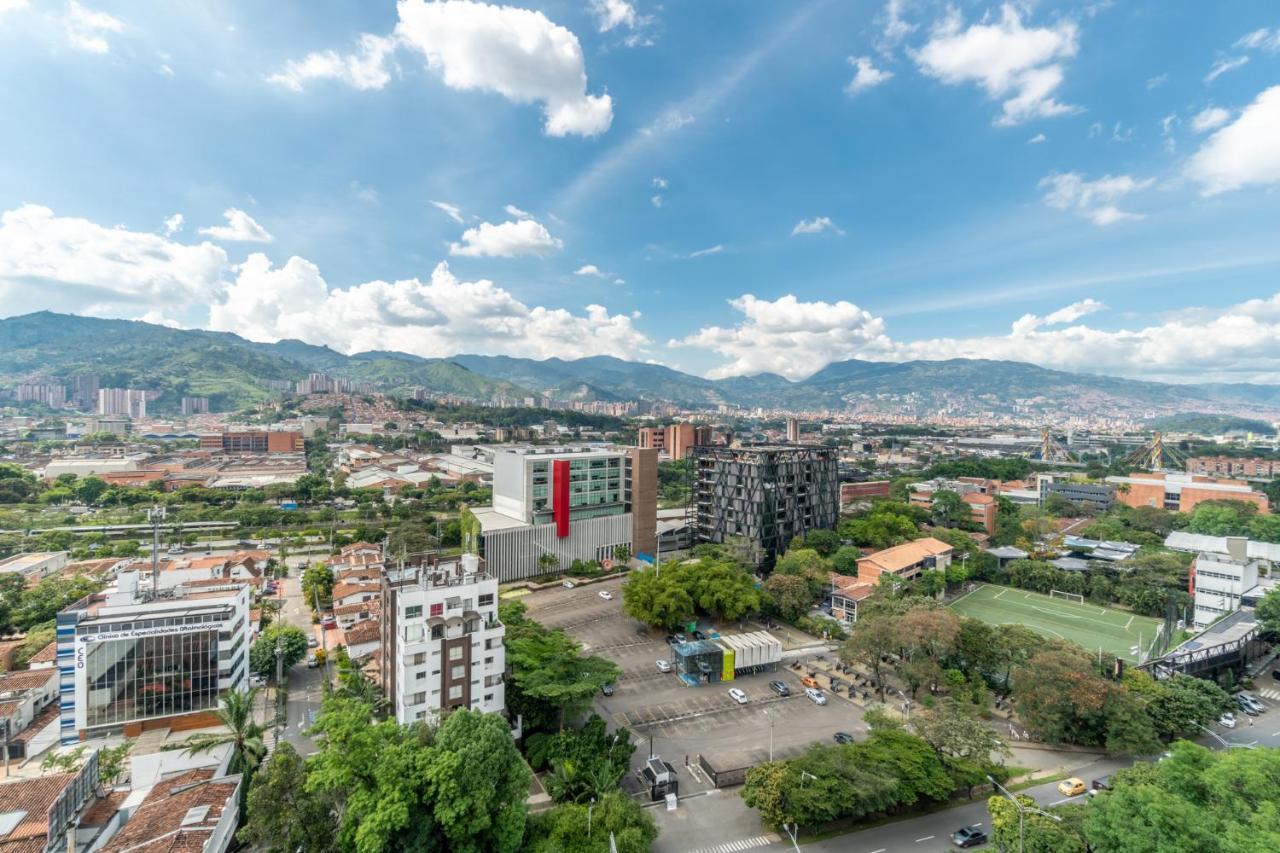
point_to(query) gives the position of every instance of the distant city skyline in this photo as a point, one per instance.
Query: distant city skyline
(726, 188)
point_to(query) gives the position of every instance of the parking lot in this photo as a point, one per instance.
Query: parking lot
(683, 721)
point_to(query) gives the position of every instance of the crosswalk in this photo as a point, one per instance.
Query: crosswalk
(743, 844)
(1271, 693)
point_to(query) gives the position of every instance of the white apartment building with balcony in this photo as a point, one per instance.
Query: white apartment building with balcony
(1220, 583)
(441, 640)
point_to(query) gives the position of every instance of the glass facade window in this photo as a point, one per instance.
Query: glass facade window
(158, 676)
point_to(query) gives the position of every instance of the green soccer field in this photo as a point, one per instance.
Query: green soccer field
(1093, 627)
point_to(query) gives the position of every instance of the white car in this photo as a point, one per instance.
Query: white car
(1227, 720)
(567, 584)
(663, 666)
(605, 594)
(738, 696)
(815, 695)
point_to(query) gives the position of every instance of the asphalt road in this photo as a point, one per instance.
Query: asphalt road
(305, 685)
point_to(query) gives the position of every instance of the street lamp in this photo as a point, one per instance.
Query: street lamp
(793, 829)
(1022, 813)
(906, 703)
(768, 712)
(590, 806)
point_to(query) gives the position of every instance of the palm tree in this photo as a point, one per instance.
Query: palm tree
(243, 732)
(357, 685)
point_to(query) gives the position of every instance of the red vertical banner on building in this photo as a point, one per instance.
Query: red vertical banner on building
(560, 495)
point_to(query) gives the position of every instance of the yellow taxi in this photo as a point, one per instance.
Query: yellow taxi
(1072, 787)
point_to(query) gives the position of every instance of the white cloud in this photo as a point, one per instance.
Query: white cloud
(173, 224)
(12, 5)
(1244, 152)
(87, 29)
(240, 228)
(1168, 123)
(788, 337)
(815, 226)
(59, 263)
(589, 269)
(710, 250)
(1069, 314)
(506, 240)
(1037, 139)
(364, 69)
(866, 76)
(1092, 199)
(1222, 66)
(795, 339)
(450, 210)
(442, 316)
(667, 122)
(1008, 60)
(1263, 39)
(613, 13)
(1157, 81)
(512, 210)
(656, 200)
(517, 53)
(895, 28)
(166, 69)
(660, 183)
(1210, 118)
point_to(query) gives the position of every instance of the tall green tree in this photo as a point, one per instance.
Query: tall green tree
(262, 654)
(282, 816)
(235, 713)
(566, 829)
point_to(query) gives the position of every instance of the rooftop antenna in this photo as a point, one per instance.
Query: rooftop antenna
(155, 515)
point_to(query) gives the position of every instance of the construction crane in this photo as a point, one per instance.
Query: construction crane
(1052, 450)
(1156, 456)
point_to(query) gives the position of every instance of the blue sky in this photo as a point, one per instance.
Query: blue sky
(725, 187)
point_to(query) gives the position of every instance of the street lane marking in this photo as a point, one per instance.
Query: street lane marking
(881, 850)
(926, 838)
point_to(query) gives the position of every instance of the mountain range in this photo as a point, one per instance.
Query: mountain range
(231, 370)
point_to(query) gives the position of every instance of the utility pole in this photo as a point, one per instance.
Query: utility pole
(280, 712)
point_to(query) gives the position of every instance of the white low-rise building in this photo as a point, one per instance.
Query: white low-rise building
(441, 640)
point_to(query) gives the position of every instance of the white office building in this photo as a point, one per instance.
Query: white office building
(129, 662)
(441, 640)
(1220, 583)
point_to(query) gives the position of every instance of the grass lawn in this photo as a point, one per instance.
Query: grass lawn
(1114, 631)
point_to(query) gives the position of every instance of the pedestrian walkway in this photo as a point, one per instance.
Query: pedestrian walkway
(744, 844)
(1272, 693)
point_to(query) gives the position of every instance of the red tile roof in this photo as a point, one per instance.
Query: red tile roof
(368, 631)
(170, 819)
(32, 796)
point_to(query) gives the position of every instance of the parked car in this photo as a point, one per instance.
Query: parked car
(312, 642)
(816, 695)
(969, 836)
(1097, 786)
(698, 635)
(738, 696)
(1249, 705)
(1275, 673)
(175, 549)
(567, 584)
(680, 640)
(663, 666)
(605, 594)
(607, 690)
(809, 681)
(1072, 787)
(257, 681)
(312, 661)
(328, 622)
(1254, 701)
(779, 688)
(842, 737)
(1227, 720)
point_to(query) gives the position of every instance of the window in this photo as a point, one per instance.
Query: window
(421, 676)
(485, 600)
(488, 697)
(420, 658)
(437, 609)
(459, 671)
(455, 692)
(437, 632)
(418, 699)
(414, 612)
(455, 653)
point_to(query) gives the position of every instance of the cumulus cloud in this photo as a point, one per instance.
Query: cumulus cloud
(1210, 118)
(366, 68)
(1092, 199)
(63, 263)
(865, 76)
(613, 13)
(173, 224)
(796, 338)
(518, 53)
(589, 269)
(788, 337)
(240, 228)
(441, 316)
(506, 240)
(1224, 65)
(450, 210)
(1244, 152)
(1008, 60)
(815, 226)
(87, 29)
